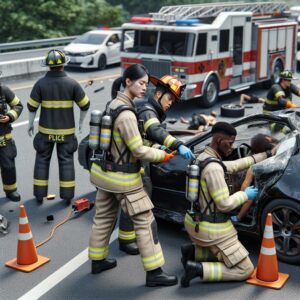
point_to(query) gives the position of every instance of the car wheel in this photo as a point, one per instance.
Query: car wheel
(286, 227)
(278, 67)
(232, 111)
(102, 62)
(210, 92)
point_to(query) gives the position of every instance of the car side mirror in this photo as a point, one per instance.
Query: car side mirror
(109, 44)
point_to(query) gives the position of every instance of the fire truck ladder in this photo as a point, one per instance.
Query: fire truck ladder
(172, 13)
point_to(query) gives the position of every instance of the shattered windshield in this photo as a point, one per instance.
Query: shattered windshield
(267, 172)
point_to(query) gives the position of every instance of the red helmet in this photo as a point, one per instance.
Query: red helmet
(171, 83)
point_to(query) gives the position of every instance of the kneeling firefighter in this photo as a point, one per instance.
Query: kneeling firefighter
(168, 91)
(116, 173)
(216, 253)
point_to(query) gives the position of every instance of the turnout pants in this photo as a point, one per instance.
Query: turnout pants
(65, 155)
(8, 152)
(126, 230)
(225, 258)
(136, 204)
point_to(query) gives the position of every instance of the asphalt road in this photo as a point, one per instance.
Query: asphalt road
(67, 275)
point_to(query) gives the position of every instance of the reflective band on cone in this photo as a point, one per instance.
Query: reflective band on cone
(27, 259)
(266, 273)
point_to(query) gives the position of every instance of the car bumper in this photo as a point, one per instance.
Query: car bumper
(83, 61)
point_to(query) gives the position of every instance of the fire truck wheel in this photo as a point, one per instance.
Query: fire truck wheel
(210, 92)
(232, 111)
(102, 62)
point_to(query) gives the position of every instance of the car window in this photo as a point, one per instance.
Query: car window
(90, 38)
(114, 39)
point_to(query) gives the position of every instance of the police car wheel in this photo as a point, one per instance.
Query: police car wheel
(102, 62)
(232, 111)
(285, 218)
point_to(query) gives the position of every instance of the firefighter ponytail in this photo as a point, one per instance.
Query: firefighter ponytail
(116, 87)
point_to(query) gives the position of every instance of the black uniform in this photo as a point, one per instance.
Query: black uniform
(56, 93)
(11, 106)
(278, 97)
(151, 115)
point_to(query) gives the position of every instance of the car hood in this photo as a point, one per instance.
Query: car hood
(78, 48)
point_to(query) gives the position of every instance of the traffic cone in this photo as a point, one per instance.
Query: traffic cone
(266, 273)
(27, 259)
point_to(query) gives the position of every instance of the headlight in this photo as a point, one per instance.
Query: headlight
(88, 53)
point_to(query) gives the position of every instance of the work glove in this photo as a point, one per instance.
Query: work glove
(251, 192)
(185, 152)
(290, 104)
(234, 219)
(30, 130)
(168, 156)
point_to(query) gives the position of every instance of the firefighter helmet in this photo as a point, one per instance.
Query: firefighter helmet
(171, 83)
(286, 75)
(55, 58)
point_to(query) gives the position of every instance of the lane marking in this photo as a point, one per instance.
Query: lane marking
(109, 77)
(63, 272)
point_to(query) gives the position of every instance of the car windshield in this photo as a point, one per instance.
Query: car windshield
(91, 38)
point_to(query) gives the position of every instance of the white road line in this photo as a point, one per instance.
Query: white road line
(63, 272)
(23, 123)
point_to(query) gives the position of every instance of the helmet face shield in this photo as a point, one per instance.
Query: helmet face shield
(171, 84)
(55, 58)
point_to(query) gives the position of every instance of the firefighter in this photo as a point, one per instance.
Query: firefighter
(280, 95)
(216, 253)
(118, 179)
(168, 90)
(56, 94)
(10, 110)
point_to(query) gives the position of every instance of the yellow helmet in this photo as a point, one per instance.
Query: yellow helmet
(171, 83)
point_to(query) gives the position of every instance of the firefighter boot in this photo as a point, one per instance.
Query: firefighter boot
(192, 270)
(39, 200)
(67, 201)
(129, 248)
(99, 266)
(13, 196)
(158, 278)
(188, 253)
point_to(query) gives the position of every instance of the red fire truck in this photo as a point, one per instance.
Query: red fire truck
(214, 48)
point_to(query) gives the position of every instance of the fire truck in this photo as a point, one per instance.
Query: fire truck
(214, 48)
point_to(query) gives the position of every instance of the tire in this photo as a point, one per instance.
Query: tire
(210, 92)
(102, 62)
(286, 227)
(278, 67)
(232, 111)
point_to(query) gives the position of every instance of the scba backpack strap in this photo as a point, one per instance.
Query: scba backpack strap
(108, 164)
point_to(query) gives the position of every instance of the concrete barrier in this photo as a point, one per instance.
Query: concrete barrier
(21, 67)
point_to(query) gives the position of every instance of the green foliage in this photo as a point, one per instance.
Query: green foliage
(38, 19)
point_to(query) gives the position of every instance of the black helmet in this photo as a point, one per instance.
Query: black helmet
(55, 58)
(286, 75)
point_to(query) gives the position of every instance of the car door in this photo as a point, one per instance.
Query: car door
(113, 48)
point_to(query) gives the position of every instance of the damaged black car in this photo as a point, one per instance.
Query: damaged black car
(276, 178)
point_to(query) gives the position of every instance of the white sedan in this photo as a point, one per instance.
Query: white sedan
(96, 49)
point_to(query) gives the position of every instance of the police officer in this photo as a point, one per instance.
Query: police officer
(168, 90)
(280, 95)
(217, 254)
(56, 94)
(119, 183)
(10, 110)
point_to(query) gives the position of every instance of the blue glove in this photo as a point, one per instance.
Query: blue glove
(185, 152)
(162, 147)
(234, 219)
(251, 192)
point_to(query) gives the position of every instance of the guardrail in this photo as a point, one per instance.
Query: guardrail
(36, 43)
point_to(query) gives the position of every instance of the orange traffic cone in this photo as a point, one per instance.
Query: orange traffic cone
(266, 273)
(27, 259)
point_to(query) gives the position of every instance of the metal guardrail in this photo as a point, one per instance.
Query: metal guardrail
(36, 43)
